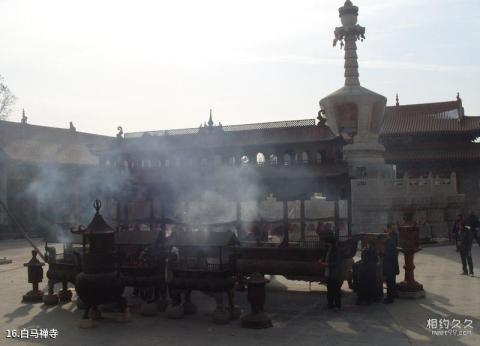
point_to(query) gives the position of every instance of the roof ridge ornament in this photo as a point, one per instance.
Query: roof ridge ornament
(24, 117)
(347, 35)
(461, 110)
(120, 132)
(397, 101)
(321, 117)
(210, 127)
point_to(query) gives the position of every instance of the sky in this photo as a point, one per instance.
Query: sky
(151, 65)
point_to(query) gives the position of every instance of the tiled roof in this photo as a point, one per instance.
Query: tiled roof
(41, 144)
(230, 128)
(244, 137)
(429, 118)
(467, 152)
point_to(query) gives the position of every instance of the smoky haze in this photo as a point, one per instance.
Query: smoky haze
(192, 189)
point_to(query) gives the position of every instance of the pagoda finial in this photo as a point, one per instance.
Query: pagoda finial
(398, 101)
(210, 120)
(24, 117)
(97, 205)
(347, 35)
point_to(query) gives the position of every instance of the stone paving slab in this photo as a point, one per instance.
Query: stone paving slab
(296, 308)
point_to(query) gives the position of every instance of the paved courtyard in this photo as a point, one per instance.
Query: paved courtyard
(297, 310)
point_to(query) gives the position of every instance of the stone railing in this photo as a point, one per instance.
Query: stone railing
(429, 185)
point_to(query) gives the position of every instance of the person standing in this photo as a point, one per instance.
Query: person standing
(334, 274)
(474, 224)
(457, 226)
(367, 286)
(465, 248)
(390, 266)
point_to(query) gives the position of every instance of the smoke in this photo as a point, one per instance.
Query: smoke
(63, 194)
(201, 187)
(214, 198)
(180, 176)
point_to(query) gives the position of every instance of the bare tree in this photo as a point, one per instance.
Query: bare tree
(7, 99)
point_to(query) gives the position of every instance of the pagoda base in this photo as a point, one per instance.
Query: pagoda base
(410, 290)
(411, 295)
(33, 297)
(258, 320)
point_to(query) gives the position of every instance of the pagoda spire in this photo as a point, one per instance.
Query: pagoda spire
(347, 35)
(24, 117)
(210, 120)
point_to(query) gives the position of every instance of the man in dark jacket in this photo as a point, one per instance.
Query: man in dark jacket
(465, 248)
(334, 274)
(390, 266)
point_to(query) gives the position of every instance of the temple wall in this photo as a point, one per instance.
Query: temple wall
(469, 184)
(377, 202)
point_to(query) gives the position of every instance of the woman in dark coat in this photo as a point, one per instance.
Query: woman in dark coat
(390, 266)
(367, 285)
(334, 274)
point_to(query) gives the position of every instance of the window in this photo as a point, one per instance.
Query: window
(260, 159)
(320, 157)
(273, 159)
(287, 160)
(305, 158)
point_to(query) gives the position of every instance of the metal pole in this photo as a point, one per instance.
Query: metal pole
(22, 230)
(302, 219)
